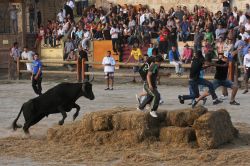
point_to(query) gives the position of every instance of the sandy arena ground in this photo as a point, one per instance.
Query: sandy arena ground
(16, 149)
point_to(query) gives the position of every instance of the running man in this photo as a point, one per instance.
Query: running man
(151, 87)
(197, 65)
(220, 78)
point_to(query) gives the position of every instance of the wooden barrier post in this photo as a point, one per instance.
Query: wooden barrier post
(83, 69)
(78, 74)
(18, 67)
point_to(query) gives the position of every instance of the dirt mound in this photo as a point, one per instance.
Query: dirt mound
(127, 126)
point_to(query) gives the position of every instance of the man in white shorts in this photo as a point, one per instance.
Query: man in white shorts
(109, 68)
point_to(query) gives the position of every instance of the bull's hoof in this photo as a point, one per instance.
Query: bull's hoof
(74, 116)
(60, 122)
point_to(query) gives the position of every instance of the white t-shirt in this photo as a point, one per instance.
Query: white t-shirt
(28, 56)
(247, 27)
(60, 16)
(243, 20)
(108, 60)
(114, 33)
(246, 61)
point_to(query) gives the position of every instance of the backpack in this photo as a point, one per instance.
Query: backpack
(143, 70)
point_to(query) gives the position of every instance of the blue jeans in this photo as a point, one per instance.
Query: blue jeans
(194, 90)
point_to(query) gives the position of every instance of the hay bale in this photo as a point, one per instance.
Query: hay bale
(132, 120)
(184, 117)
(177, 135)
(214, 129)
(100, 120)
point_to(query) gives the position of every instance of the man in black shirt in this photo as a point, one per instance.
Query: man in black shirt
(83, 55)
(150, 86)
(197, 65)
(220, 78)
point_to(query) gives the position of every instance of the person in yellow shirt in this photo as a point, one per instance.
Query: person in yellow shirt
(136, 53)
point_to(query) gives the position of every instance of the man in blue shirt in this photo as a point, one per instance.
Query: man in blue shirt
(174, 58)
(37, 75)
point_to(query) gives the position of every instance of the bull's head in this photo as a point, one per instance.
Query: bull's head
(87, 90)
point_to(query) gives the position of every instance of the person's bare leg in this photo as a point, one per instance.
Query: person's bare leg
(234, 92)
(112, 82)
(224, 91)
(201, 97)
(107, 82)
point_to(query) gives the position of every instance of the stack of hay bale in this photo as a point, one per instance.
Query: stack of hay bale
(208, 129)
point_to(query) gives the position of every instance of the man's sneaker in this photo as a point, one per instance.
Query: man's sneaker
(153, 114)
(142, 110)
(194, 103)
(204, 101)
(181, 99)
(234, 103)
(245, 91)
(217, 101)
(223, 97)
(137, 98)
(161, 102)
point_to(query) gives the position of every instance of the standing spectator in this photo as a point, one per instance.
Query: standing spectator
(109, 68)
(185, 29)
(68, 47)
(239, 44)
(114, 37)
(79, 7)
(27, 55)
(31, 18)
(14, 54)
(174, 58)
(13, 18)
(137, 55)
(37, 75)
(187, 54)
(246, 64)
(60, 16)
(86, 38)
(39, 18)
(83, 55)
(226, 6)
(198, 37)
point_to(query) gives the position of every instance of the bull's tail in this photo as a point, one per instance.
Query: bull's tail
(14, 125)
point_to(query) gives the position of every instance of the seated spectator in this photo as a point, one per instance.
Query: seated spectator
(174, 58)
(60, 33)
(219, 46)
(209, 36)
(150, 49)
(185, 29)
(220, 32)
(71, 57)
(40, 36)
(187, 54)
(208, 51)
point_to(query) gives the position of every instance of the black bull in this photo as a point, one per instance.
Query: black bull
(59, 99)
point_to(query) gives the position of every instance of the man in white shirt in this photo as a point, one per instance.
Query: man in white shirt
(114, 37)
(243, 19)
(246, 64)
(27, 55)
(109, 68)
(60, 16)
(86, 38)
